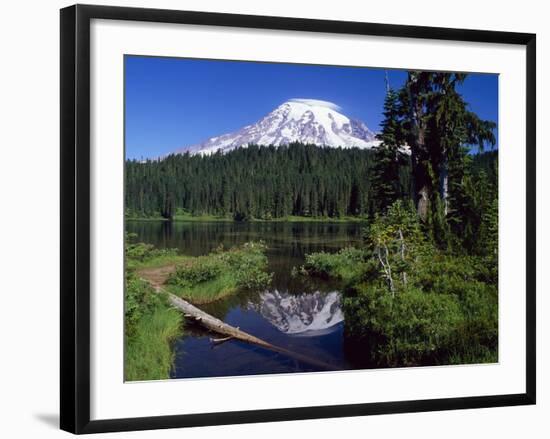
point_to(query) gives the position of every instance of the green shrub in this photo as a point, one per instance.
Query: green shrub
(137, 253)
(140, 299)
(445, 314)
(249, 264)
(440, 271)
(201, 269)
(409, 329)
(409, 303)
(349, 264)
(223, 272)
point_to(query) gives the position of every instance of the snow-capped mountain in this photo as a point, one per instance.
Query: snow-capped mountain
(297, 120)
(306, 313)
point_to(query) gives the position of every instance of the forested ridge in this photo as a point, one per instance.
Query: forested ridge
(265, 183)
(254, 182)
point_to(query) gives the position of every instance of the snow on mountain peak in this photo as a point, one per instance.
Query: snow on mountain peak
(297, 120)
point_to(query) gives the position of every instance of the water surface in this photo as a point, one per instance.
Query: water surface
(300, 314)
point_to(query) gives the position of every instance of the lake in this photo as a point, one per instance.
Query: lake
(297, 313)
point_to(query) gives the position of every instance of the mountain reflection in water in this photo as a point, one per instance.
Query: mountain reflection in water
(302, 314)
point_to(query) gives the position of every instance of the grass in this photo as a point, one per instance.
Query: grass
(149, 354)
(205, 279)
(140, 255)
(187, 217)
(146, 218)
(313, 219)
(206, 292)
(180, 216)
(157, 261)
(150, 326)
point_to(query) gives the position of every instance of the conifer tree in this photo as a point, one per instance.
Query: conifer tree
(440, 130)
(388, 157)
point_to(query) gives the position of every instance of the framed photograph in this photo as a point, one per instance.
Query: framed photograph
(272, 218)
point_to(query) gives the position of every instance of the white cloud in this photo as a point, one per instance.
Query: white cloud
(317, 103)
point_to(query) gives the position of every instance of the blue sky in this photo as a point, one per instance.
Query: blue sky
(177, 102)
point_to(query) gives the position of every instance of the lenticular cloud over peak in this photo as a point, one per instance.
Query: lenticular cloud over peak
(317, 103)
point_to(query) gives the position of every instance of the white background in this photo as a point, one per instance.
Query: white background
(30, 204)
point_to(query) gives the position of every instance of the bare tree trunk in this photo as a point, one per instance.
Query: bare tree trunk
(444, 184)
(417, 143)
(403, 250)
(387, 268)
(423, 203)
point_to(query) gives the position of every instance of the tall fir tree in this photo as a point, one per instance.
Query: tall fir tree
(440, 128)
(388, 156)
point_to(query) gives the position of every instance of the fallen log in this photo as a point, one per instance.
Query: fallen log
(218, 326)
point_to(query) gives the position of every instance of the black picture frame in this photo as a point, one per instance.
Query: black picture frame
(75, 217)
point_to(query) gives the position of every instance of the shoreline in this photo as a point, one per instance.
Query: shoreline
(255, 220)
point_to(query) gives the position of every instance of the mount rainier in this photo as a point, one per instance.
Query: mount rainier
(297, 120)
